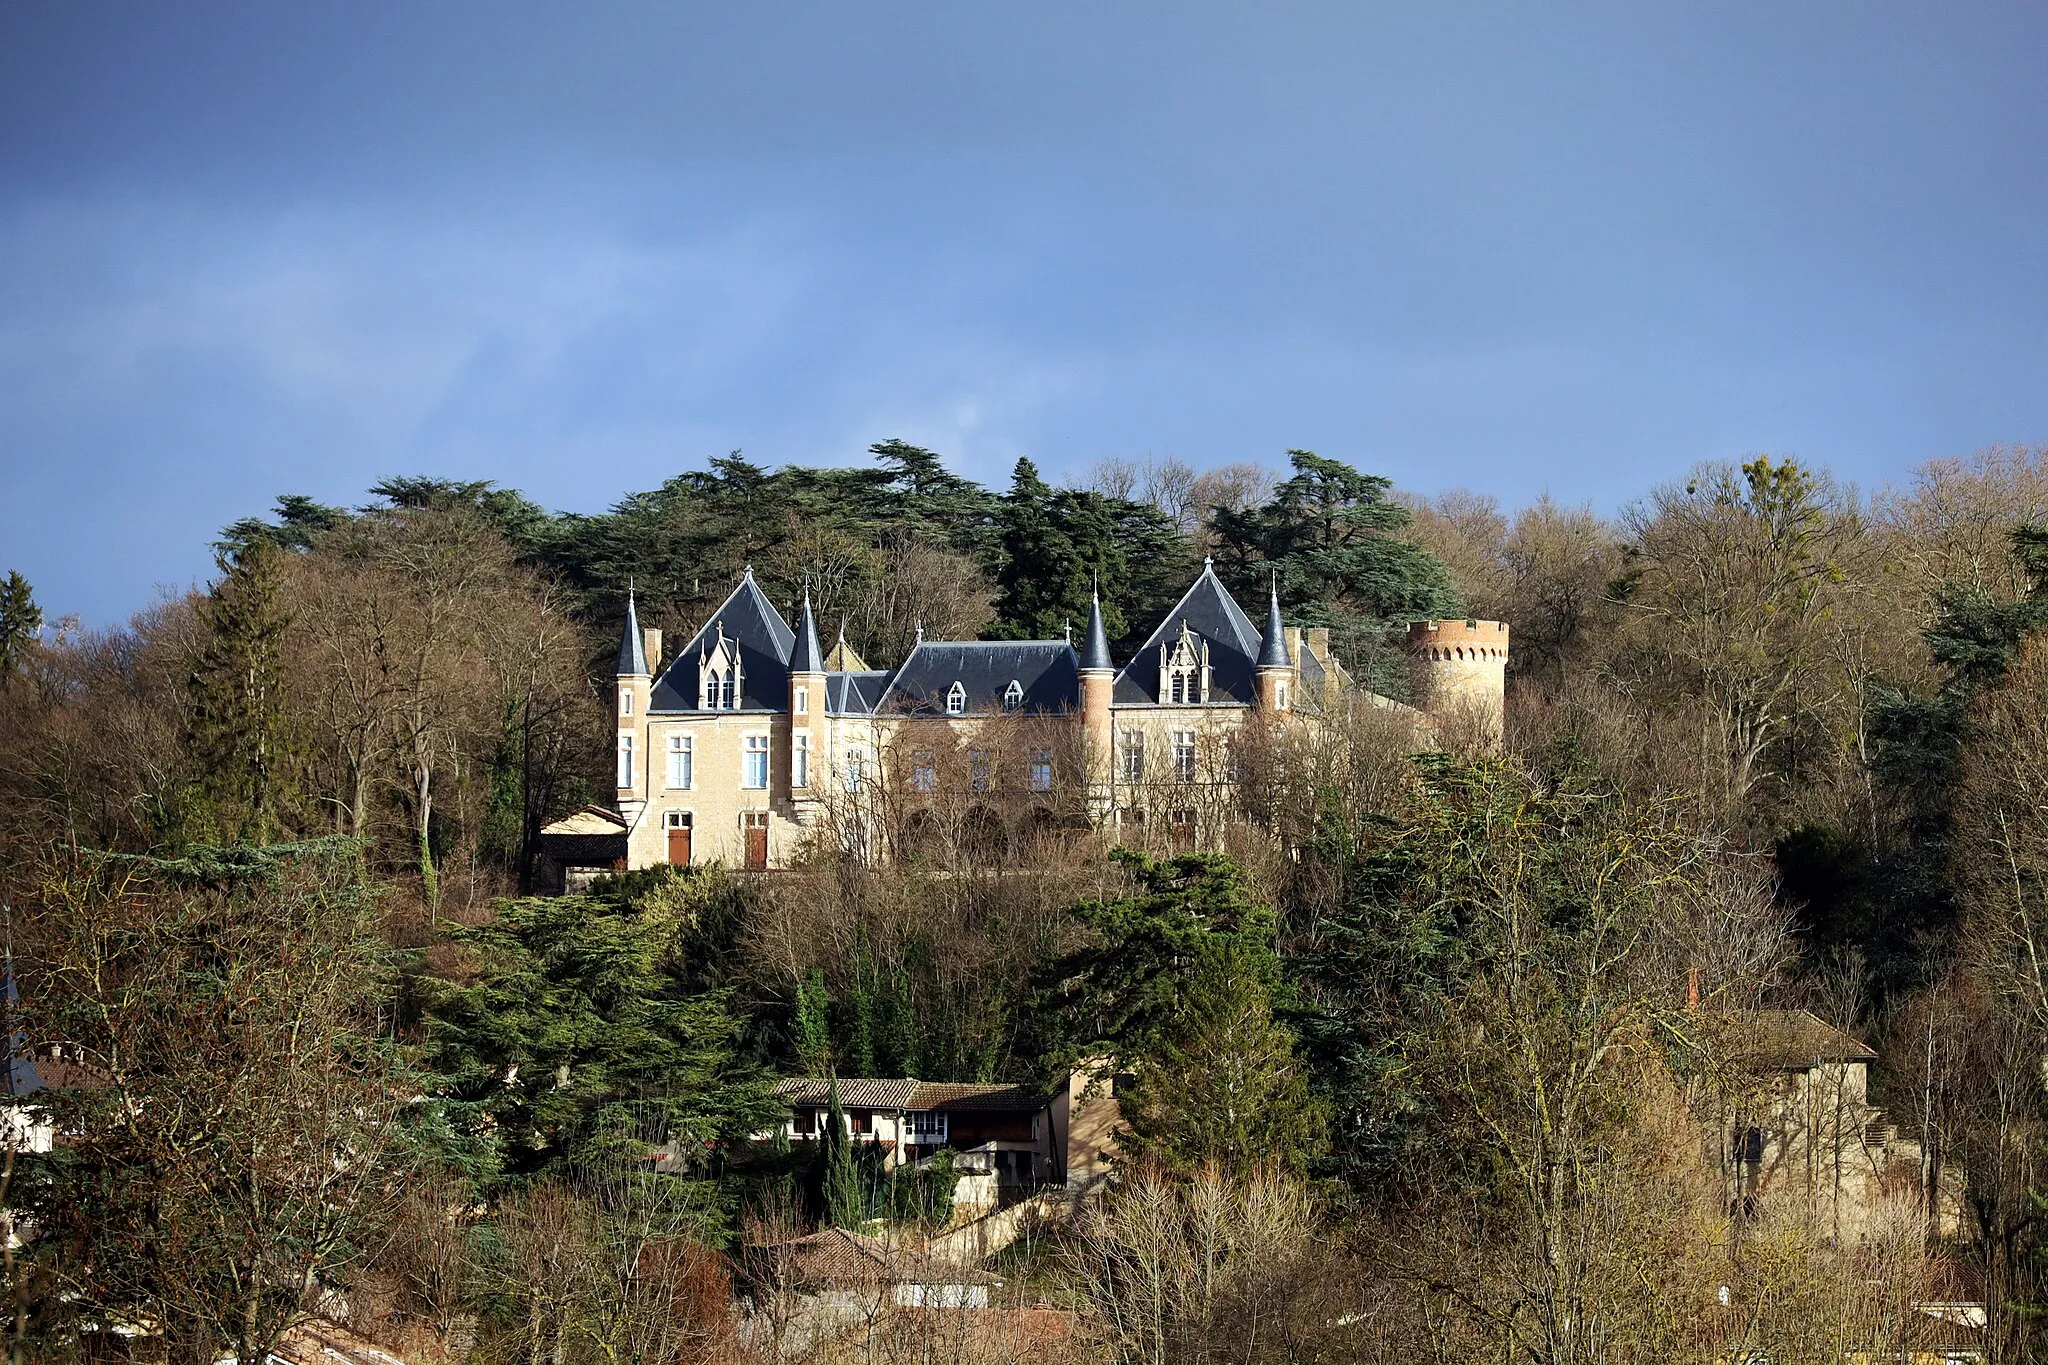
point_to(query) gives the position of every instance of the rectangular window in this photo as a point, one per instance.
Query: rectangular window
(927, 1127)
(803, 700)
(861, 1121)
(625, 761)
(924, 773)
(856, 768)
(754, 771)
(682, 762)
(1041, 770)
(978, 769)
(1183, 755)
(625, 701)
(800, 762)
(1181, 828)
(1134, 756)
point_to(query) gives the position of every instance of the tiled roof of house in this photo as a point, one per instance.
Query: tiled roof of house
(1048, 671)
(1793, 1040)
(1210, 612)
(764, 639)
(907, 1093)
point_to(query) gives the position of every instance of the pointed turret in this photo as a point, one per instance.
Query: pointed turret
(632, 651)
(1273, 649)
(1095, 648)
(807, 656)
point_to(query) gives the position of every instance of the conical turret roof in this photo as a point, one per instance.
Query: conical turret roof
(1095, 648)
(807, 656)
(1273, 649)
(632, 653)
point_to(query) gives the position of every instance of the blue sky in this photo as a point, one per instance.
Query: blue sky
(256, 248)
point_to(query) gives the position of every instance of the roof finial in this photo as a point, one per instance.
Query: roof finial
(748, 572)
(1067, 629)
(1208, 564)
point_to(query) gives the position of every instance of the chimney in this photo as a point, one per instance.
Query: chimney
(1319, 642)
(650, 641)
(1692, 988)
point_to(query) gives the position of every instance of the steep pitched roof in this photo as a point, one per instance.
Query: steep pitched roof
(855, 694)
(805, 656)
(765, 641)
(1047, 670)
(632, 653)
(844, 658)
(1209, 611)
(1273, 644)
(1095, 646)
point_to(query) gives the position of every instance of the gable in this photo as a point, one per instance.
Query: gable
(764, 640)
(1210, 613)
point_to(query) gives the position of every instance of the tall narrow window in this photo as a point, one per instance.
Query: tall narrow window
(1013, 695)
(1183, 755)
(681, 761)
(800, 762)
(1041, 770)
(978, 769)
(803, 700)
(754, 770)
(625, 701)
(1183, 669)
(625, 761)
(956, 699)
(924, 772)
(856, 768)
(1134, 756)
(728, 685)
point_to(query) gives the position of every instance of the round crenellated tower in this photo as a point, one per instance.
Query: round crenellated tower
(1457, 672)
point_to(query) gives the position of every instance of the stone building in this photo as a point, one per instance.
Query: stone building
(752, 742)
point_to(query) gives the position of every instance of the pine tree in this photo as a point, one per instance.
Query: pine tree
(241, 736)
(21, 622)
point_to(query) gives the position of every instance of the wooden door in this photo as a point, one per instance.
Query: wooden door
(679, 845)
(756, 824)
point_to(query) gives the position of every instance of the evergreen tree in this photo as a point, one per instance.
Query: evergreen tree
(810, 1031)
(1221, 1084)
(21, 623)
(1332, 537)
(241, 735)
(846, 1202)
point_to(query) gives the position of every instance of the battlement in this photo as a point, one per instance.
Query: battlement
(1458, 641)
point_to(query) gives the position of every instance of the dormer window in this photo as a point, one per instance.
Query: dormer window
(719, 674)
(1013, 695)
(1184, 669)
(956, 699)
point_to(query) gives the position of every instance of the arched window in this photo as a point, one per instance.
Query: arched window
(718, 675)
(1013, 695)
(1184, 670)
(956, 699)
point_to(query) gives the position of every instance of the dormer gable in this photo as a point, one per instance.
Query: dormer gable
(720, 672)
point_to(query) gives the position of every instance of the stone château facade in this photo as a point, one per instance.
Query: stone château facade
(752, 741)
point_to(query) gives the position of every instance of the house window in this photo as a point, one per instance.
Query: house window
(625, 761)
(682, 761)
(1134, 756)
(1280, 696)
(924, 772)
(1184, 672)
(1013, 695)
(800, 762)
(625, 701)
(803, 700)
(805, 1123)
(754, 769)
(956, 699)
(927, 1127)
(978, 769)
(1181, 830)
(1041, 770)
(861, 1121)
(1183, 755)
(728, 689)
(856, 768)
(718, 674)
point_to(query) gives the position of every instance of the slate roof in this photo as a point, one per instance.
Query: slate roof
(632, 652)
(764, 639)
(815, 1092)
(1273, 647)
(855, 694)
(1049, 671)
(805, 655)
(1213, 614)
(1095, 645)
